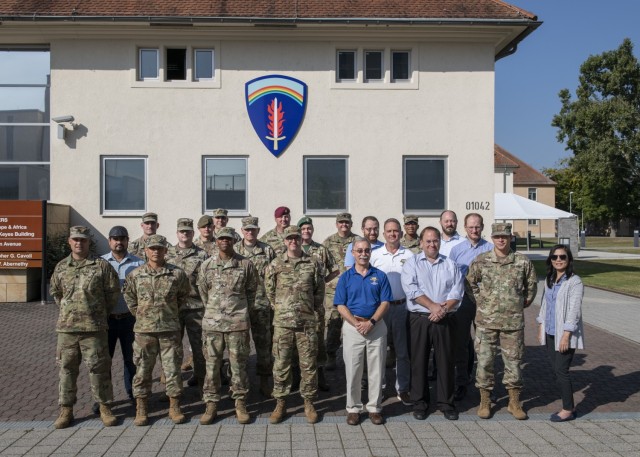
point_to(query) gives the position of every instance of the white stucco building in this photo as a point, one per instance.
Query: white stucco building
(399, 111)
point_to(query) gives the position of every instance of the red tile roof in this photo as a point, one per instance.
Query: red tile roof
(523, 174)
(268, 9)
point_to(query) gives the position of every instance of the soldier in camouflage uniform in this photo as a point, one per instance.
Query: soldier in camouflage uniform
(331, 271)
(410, 240)
(156, 292)
(227, 285)
(275, 236)
(205, 241)
(86, 289)
(501, 283)
(189, 257)
(149, 227)
(295, 287)
(261, 256)
(220, 220)
(337, 246)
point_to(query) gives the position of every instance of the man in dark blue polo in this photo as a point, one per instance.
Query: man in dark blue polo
(362, 297)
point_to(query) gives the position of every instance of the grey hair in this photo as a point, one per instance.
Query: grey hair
(360, 239)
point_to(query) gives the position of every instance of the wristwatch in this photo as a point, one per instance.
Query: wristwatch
(373, 321)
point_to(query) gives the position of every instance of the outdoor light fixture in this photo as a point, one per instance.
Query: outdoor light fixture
(62, 122)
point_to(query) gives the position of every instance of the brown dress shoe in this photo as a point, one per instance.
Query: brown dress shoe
(353, 418)
(376, 418)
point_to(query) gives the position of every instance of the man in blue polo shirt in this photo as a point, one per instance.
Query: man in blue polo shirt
(362, 297)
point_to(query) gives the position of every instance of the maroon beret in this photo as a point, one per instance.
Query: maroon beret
(281, 211)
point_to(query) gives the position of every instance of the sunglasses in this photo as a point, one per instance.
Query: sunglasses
(560, 256)
(362, 251)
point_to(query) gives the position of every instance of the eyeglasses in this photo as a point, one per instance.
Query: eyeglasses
(559, 256)
(362, 251)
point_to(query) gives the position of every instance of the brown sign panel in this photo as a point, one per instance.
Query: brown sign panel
(20, 245)
(21, 234)
(20, 255)
(18, 264)
(21, 208)
(20, 227)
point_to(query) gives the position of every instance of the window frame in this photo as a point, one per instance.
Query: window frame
(391, 69)
(103, 182)
(425, 212)
(382, 78)
(354, 52)
(231, 212)
(139, 64)
(195, 64)
(305, 193)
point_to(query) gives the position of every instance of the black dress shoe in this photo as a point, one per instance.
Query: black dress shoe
(460, 393)
(450, 414)
(420, 414)
(96, 408)
(556, 418)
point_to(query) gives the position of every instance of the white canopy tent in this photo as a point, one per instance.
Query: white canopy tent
(514, 207)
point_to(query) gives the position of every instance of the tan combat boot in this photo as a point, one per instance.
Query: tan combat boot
(107, 417)
(142, 415)
(484, 410)
(210, 413)
(310, 411)
(188, 364)
(241, 412)
(514, 407)
(65, 418)
(174, 411)
(278, 414)
(265, 388)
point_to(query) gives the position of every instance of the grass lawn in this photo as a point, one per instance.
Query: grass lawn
(598, 243)
(614, 275)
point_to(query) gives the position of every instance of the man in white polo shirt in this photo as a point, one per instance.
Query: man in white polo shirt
(390, 259)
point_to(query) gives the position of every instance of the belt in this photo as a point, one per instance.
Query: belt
(398, 302)
(417, 313)
(119, 316)
(362, 319)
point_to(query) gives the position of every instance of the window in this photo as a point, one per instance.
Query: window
(176, 64)
(225, 184)
(424, 185)
(24, 124)
(204, 69)
(373, 67)
(533, 195)
(400, 66)
(346, 65)
(149, 64)
(325, 185)
(124, 184)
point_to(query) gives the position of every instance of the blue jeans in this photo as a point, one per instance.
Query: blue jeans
(122, 329)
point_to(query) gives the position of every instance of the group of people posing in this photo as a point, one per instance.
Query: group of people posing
(407, 295)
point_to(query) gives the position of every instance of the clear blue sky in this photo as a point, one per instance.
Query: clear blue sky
(548, 60)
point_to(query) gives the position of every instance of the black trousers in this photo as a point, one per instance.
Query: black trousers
(560, 362)
(462, 347)
(423, 334)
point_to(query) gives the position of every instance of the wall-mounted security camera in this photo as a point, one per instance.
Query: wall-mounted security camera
(61, 120)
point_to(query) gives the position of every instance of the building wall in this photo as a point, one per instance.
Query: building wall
(546, 195)
(447, 111)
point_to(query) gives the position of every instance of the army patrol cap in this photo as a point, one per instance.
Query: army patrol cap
(344, 217)
(79, 231)
(185, 224)
(304, 220)
(156, 241)
(220, 212)
(411, 219)
(149, 217)
(501, 229)
(281, 211)
(250, 222)
(291, 231)
(118, 230)
(226, 232)
(204, 221)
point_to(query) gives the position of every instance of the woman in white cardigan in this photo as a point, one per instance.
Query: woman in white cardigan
(560, 323)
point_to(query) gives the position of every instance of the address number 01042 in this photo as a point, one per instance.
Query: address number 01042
(476, 206)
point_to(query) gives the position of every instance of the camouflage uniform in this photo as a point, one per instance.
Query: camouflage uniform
(155, 298)
(337, 246)
(412, 245)
(261, 256)
(295, 288)
(206, 245)
(322, 255)
(136, 247)
(501, 287)
(275, 240)
(190, 259)
(228, 290)
(236, 238)
(86, 291)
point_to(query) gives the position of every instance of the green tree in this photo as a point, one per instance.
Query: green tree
(602, 129)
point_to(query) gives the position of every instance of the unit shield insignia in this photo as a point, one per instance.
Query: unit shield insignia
(276, 106)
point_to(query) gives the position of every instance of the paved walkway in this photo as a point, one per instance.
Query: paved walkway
(606, 380)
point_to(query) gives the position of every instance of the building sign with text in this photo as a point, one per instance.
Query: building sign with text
(21, 234)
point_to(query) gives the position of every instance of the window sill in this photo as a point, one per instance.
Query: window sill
(123, 213)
